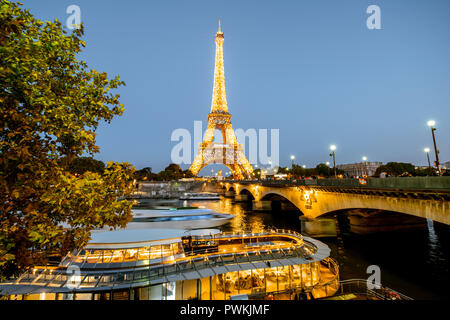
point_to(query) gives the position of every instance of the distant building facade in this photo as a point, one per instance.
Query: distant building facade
(359, 169)
(446, 165)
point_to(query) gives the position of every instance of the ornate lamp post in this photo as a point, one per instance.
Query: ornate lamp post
(431, 124)
(332, 154)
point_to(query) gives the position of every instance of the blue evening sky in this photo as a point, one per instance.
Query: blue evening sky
(309, 68)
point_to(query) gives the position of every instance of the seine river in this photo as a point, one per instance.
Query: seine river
(415, 263)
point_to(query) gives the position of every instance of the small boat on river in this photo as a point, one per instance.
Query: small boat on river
(200, 196)
(177, 218)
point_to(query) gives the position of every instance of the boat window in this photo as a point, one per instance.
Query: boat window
(80, 257)
(199, 217)
(130, 255)
(117, 256)
(93, 256)
(107, 256)
(177, 248)
(159, 219)
(166, 250)
(144, 253)
(155, 252)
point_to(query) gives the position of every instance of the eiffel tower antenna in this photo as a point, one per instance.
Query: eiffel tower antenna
(230, 152)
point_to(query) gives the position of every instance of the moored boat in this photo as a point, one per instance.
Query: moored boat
(200, 196)
(177, 218)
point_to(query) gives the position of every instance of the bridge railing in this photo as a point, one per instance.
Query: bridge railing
(405, 183)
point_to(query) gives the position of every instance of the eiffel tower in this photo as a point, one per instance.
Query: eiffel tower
(230, 152)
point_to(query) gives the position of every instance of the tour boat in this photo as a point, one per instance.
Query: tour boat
(200, 196)
(175, 264)
(177, 218)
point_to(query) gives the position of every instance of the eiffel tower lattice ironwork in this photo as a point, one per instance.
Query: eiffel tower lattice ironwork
(230, 152)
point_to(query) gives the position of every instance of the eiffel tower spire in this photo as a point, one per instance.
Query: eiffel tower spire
(219, 99)
(230, 152)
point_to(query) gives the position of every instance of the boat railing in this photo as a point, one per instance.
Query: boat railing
(371, 290)
(245, 234)
(100, 278)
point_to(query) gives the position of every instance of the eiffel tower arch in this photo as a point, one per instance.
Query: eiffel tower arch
(229, 153)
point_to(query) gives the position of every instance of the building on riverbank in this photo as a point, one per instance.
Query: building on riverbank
(360, 169)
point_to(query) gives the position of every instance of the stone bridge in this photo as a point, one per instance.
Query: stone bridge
(425, 197)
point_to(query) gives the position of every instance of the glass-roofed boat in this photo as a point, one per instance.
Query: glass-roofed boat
(165, 264)
(171, 264)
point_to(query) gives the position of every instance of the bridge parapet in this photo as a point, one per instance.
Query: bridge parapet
(406, 183)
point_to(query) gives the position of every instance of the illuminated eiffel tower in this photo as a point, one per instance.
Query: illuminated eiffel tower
(230, 152)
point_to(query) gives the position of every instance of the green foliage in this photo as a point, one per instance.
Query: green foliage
(50, 107)
(257, 173)
(425, 172)
(80, 165)
(144, 174)
(321, 170)
(396, 169)
(188, 174)
(171, 172)
(283, 170)
(324, 171)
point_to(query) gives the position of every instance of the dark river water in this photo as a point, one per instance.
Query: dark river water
(415, 263)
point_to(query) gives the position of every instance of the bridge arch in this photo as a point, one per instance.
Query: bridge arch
(247, 192)
(381, 207)
(280, 201)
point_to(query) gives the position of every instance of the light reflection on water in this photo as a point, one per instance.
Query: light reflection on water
(242, 221)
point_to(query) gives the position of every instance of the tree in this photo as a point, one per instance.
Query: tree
(143, 174)
(188, 174)
(424, 171)
(396, 169)
(323, 170)
(51, 105)
(173, 172)
(283, 170)
(81, 165)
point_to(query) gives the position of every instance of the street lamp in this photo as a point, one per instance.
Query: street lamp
(427, 151)
(328, 165)
(292, 158)
(332, 154)
(431, 124)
